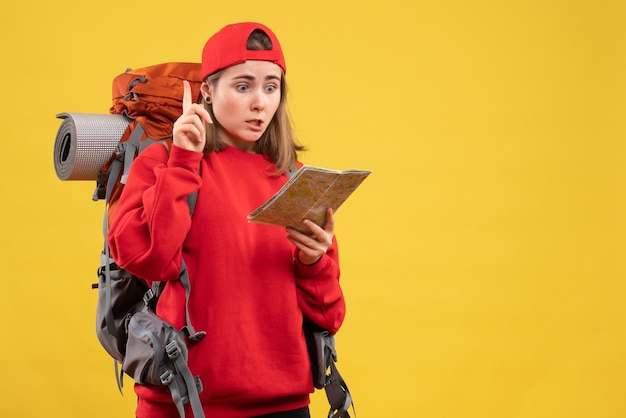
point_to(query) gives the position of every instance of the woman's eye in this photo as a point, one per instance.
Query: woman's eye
(242, 87)
(270, 88)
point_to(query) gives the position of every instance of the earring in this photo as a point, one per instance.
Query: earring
(207, 99)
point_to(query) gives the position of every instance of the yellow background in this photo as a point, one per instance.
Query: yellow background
(483, 261)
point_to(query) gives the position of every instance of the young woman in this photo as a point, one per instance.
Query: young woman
(252, 285)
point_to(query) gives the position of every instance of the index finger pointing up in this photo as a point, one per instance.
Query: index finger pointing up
(186, 96)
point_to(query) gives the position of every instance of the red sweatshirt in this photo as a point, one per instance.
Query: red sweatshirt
(248, 290)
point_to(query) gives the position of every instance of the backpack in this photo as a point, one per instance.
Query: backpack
(149, 349)
(146, 103)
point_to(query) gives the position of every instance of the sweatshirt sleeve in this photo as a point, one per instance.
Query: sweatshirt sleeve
(319, 293)
(151, 219)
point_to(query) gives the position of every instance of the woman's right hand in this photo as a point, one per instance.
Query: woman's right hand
(189, 128)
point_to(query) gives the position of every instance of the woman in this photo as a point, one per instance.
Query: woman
(252, 285)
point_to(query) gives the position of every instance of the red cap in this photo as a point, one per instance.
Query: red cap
(228, 47)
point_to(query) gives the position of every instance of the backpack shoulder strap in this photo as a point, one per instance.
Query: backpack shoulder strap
(184, 280)
(322, 343)
(338, 394)
(182, 385)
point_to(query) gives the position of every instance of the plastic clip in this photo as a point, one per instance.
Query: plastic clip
(172, 349)
(148, 296)
(167, 377)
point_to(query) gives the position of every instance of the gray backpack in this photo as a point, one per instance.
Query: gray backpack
(149, 349)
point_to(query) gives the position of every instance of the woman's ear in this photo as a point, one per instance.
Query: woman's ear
(205, 90)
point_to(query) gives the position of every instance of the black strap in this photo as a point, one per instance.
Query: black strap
(338, 394)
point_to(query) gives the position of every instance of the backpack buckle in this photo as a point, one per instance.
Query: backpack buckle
(172, 349)
(167, 377)
(120, 150)
(148, 296)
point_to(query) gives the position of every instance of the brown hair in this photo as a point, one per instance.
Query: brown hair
(277, 142)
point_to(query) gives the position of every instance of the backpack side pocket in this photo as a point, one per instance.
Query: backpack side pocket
(146, 356)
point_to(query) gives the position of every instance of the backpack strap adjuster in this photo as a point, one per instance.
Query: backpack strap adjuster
(167, 377)
(148, 296)
(172, 349)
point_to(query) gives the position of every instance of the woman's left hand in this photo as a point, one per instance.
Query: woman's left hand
(314, 245)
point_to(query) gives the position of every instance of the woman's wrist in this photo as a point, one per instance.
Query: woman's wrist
(307, 261)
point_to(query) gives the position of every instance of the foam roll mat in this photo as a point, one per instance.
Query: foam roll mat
(85, 142)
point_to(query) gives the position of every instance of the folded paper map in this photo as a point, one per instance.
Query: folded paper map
(307, 195)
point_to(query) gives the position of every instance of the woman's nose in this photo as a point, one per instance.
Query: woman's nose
(259, 100)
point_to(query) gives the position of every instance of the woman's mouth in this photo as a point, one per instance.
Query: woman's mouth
(255, 124)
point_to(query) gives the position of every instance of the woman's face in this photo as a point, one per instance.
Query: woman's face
(245, 99)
